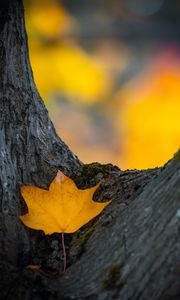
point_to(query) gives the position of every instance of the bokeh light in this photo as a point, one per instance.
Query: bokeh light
(150, 113)
(108, 72)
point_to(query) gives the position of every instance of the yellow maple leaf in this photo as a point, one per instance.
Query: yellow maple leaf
(63, 208)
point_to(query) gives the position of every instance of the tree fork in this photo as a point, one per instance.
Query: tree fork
(142, 260)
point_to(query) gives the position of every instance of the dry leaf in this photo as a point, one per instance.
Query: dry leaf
(63, 208)
(33, 267)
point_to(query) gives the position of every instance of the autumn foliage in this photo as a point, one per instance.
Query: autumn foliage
(63, 208)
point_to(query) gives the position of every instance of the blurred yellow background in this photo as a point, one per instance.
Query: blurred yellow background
(109, 74)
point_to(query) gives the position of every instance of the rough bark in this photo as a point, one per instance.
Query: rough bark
(30, 151)
(130, 252)
(133, 251)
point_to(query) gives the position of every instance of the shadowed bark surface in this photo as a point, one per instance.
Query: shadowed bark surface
(133, 251)
(130, 252)
(30, 151)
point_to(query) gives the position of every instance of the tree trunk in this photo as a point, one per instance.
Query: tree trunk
(130, 252)
(30, 151)
(133, 251)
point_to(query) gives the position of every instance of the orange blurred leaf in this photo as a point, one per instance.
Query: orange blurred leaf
(63, 208)
(33, 267)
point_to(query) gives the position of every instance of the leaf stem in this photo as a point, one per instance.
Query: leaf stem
(64, 251)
